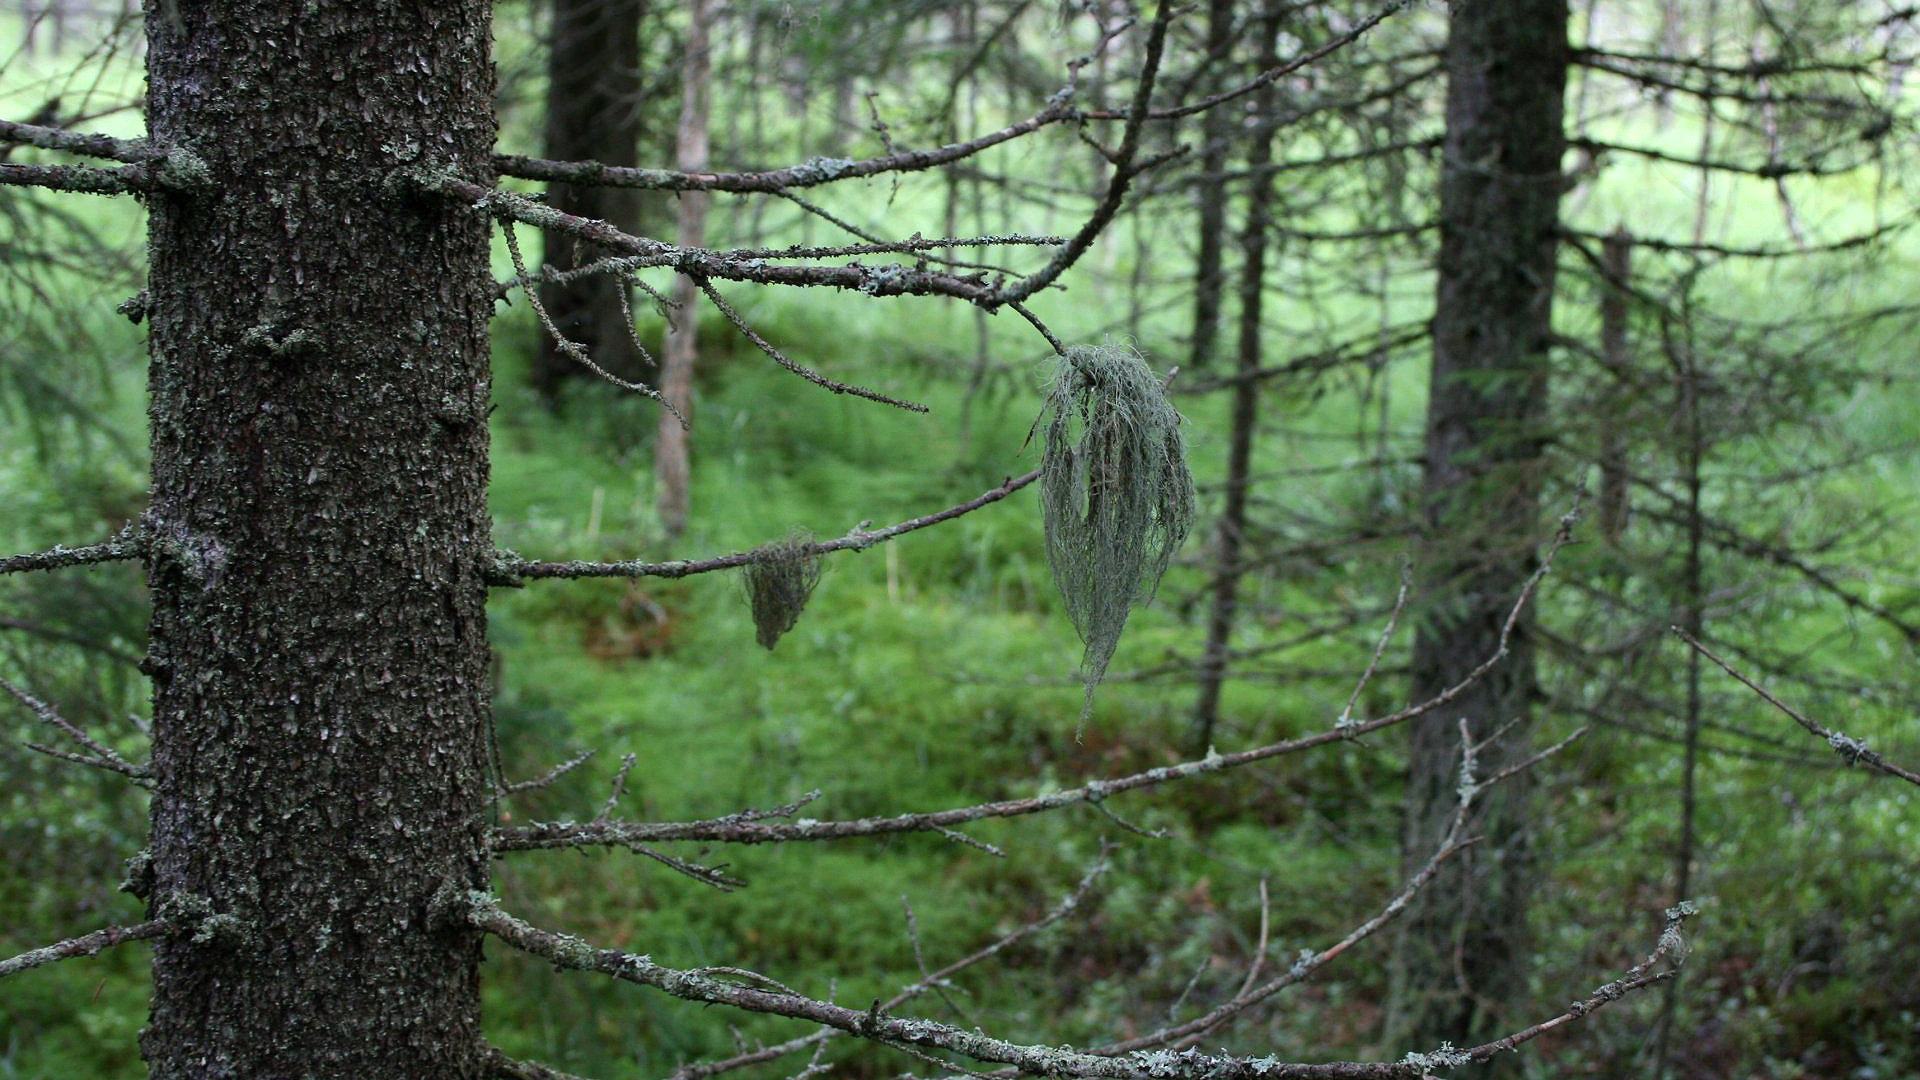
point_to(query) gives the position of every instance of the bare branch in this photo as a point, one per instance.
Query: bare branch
(1730, 252)
(1671, 948)
(571, 348)
(875, 1023)
(801, 370)
(76, 142)
(85, 945)
(501, 1067)
(1373, 663)
(1766, 171)
(100, 756)
(84, 179)
(1327, 48)
(1853, 751)
(546, 779)
(129, 543)
(928, 981)
(510, 569)
(806, 174)
(1124, 170)
(885, 280)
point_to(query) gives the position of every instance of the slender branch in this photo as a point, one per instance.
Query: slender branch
(544, 780)
(875, 1024)
(129, 543)
(1730, 252)
(810, 173)
(76, 142)
(1369, 347)
(1766, 171)
(1281, 71)
(510, 568)
(929, 980)
(85, 179)
(501, 1067)
(100, 756)
(881, 245)
(1850, 749)
(1671, 948)
(1379, 649)
(778, 357)
(571, 348)
(85, 945)
(1761, 67)
(51, 633)
(1125, 168)
(884, 280)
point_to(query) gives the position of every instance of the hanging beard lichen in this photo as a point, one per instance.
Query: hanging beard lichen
(779, 581)
(1114, 491)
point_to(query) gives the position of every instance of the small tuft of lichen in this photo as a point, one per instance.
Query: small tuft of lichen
(780, 581)
(1446, 1057)
(1115, 493)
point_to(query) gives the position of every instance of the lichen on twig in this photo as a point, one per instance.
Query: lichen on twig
(779, 581)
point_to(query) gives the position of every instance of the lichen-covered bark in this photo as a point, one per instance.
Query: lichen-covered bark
(319, 390)
(1460, 951)
(593, 114)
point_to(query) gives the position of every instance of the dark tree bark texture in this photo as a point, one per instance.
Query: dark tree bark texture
(1459, 956)
(319, 389)
(593, 114)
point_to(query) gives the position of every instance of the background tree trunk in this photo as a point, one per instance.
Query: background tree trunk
(1460, 953)
(673, 472)
(319, 387)
(1217, 128)
(1224, 590)
(593, 113)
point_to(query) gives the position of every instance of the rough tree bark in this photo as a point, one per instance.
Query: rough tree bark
(1459, 957)
(319, 385)
(593, 114)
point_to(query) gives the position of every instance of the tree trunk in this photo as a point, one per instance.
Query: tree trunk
(1224, 592)
(593, 113)
(1216, 136)
(1617, 390)
(673, 471)
(319, 386)
(1459, 957)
